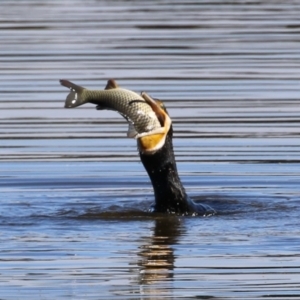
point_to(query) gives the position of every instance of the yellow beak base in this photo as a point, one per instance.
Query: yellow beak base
(152, 141)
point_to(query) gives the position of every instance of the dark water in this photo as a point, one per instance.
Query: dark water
(73, 192)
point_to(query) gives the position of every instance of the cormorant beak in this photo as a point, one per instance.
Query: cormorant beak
(150, 142)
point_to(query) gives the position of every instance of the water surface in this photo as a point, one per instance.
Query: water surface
(74, 195)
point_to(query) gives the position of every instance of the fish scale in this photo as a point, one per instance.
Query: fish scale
(129, 104)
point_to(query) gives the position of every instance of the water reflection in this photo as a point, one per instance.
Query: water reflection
(156, 256)
(228, 72)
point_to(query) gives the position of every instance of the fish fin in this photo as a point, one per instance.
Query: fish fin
(111, 84)
(74, 98)
(131, 133)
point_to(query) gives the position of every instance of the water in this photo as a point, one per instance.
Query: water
(73, 192)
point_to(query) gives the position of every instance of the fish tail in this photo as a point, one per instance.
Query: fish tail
(75, 97)
(71, 85)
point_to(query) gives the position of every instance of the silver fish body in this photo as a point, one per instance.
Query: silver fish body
(129, 104)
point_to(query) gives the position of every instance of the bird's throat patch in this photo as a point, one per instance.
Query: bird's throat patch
(151, 143)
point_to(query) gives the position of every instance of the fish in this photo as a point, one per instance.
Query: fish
(150, 142)
(133, 107)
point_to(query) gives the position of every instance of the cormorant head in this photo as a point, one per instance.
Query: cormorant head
(152, 141)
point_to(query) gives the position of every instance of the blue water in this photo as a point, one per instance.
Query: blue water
(74, 195)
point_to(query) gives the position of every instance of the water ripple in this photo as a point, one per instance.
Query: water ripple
(73, 194)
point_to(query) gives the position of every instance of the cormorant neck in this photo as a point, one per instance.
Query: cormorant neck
(170, 195)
